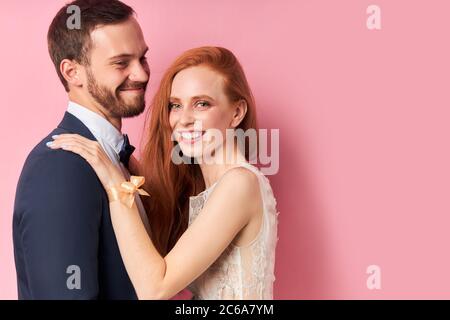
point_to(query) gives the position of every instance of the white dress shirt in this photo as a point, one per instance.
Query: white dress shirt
(111, 141)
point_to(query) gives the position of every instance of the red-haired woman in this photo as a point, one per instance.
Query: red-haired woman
(212, 214)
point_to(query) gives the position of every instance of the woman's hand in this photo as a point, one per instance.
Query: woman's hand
(109, 174)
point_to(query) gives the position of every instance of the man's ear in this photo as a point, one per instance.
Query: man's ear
(71, 71)
(239, 112)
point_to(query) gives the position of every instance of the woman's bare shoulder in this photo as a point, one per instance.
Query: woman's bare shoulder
(239, 184)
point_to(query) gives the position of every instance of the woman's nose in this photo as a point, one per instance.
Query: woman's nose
(187, 116)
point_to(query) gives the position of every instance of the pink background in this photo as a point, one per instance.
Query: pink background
(363, 118)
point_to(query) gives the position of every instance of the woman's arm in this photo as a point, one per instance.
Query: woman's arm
(134, 167)
(230, 207)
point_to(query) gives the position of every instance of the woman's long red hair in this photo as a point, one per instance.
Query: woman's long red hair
(171, 185)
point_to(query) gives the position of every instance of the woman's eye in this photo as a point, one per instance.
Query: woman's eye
(173, 106)
(203, 104)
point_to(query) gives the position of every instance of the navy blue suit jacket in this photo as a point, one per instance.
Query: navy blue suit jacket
(62, 227)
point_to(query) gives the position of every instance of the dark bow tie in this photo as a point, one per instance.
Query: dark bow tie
(126, 151)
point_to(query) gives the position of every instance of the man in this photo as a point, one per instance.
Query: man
(64, 244)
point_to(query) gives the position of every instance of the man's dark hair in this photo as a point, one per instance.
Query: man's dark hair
(75, 43)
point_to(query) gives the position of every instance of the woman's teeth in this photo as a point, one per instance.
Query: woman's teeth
(191, 135)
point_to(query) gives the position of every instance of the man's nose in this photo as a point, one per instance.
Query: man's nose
(139, 73)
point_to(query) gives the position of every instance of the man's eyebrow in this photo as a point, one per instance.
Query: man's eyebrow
(127, 55)
(121, 56)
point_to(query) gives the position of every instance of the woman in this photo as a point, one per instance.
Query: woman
(220, 242)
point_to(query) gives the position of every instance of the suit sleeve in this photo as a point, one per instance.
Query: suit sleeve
(62, 207)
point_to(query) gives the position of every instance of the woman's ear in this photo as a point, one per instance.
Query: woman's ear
(239, 113)
(71, 72)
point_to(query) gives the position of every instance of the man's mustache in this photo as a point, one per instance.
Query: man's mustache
(133, 85)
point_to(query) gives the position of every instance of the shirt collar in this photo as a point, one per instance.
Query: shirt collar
(99, 126)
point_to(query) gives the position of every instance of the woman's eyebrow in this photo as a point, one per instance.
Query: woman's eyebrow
(174, 99)
(197, 97)
(203, 96)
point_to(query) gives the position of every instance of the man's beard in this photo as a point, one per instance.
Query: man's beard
(114, 103)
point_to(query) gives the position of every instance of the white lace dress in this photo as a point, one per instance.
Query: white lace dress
(241, 272)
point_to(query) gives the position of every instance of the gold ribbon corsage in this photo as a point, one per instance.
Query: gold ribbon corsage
(126, 191)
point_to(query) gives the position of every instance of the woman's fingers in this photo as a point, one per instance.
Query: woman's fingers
(65, 138)
(71, 135)
(79, 145)
(70, 139)
(73, 146)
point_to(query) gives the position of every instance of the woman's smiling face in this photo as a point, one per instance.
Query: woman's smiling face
(198, 97)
